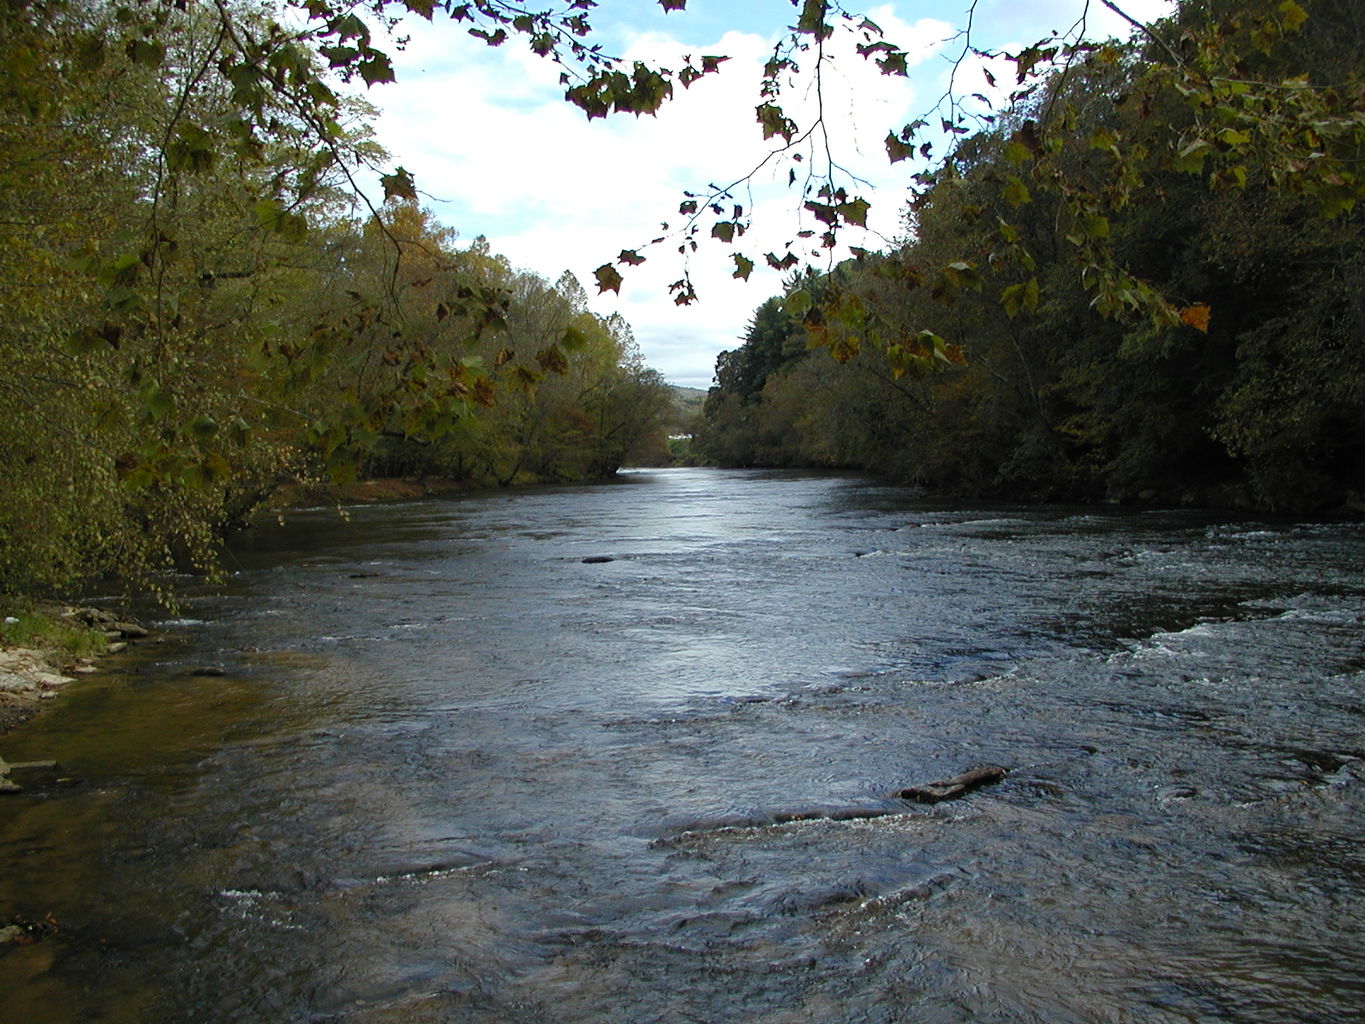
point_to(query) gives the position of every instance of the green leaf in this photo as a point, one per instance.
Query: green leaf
(399, 185)
(897, 150)
(339, 56)
(774, 121)
(91, 54)
(1189, 159)
(684, 293)
(1104, 139)
(854, 211)
(724, 230)
(138, 477)
(272, 215)
(1231, 177)
(1027, 59)
(824, 213)
(1292, 15)
(929, 343)
(844, 349)
(963, 275)
(88, 339)
(1015, 192)
(122, 297)
(573, 340)
(376, 68)
(902, 360)
(812, 18)
(894, 64)
(608, 279)
(349, 26)
(159, 403)
(203, 427)
(850, 312)
(267, 212)
(743, 267)
(147, 52)
(1018, 297)
(797, 303)
(1335, 200)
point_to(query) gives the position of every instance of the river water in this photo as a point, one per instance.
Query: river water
(454, 773)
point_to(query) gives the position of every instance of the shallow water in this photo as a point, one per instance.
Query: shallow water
(454, 773)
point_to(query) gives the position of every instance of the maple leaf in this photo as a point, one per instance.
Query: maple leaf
(896, 149)
(399, 185)
(608, 279)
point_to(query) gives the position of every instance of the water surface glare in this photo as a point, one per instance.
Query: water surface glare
(453, 773)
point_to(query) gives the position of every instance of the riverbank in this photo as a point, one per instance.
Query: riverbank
(301, 495)
(43, 649)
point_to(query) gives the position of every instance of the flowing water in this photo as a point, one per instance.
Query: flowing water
(454, 773)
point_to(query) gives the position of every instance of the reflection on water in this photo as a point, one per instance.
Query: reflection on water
(455, 773)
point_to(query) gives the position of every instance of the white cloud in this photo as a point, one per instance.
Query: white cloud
(490, 138)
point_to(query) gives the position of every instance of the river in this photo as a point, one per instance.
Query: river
(454, 773)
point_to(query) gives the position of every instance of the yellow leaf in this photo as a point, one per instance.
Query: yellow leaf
(1197, 316)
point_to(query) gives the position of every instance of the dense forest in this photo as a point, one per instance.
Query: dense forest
(197, 305)
(1140, 280)
(1130, 286)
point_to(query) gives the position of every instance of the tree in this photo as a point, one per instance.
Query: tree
(1239, 385)
(195, 305)
(198, 298)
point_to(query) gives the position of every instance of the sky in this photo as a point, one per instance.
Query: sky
(496, 150)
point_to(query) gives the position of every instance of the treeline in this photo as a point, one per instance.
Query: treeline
(194, 307)
(1098, 298)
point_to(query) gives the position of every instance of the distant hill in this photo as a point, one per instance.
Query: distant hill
(688, 401)
(687, 409)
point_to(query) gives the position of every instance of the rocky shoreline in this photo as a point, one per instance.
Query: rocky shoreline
(30, 675)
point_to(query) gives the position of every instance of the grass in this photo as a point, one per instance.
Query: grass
(48, 631)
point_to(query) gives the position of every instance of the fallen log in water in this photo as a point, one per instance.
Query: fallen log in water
(19, 766)
(6, 786)
(951, 789)
(929, 793)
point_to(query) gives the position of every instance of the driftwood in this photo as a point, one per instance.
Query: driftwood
(598, 559)
(951, 789)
